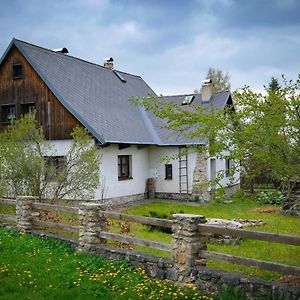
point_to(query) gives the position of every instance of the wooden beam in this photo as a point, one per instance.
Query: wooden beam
(134, 241)
(275, 267)
(56, 225)
(254, 235)
(8, 201)
(45, 206)
(4, 218)
(137, 219)
(124, 146)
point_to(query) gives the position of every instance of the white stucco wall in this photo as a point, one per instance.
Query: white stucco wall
(157, 168)
(221, 166)
(110, 186)
(59, 147)
(147, 162)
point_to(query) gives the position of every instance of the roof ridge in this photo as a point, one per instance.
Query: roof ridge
(180, 95)
(194, 94)
(77, 58)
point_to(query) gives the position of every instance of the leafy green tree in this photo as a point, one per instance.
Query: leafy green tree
(262, 131)
(25, 170)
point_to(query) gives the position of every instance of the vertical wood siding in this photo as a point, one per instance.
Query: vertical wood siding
(31, 89)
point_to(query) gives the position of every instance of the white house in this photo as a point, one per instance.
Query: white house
(67, 91)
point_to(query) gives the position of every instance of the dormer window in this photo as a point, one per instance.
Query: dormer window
(17, 71)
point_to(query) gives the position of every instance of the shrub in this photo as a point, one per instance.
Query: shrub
(269, 197)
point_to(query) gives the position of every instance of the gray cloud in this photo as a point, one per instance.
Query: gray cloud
(171, 44)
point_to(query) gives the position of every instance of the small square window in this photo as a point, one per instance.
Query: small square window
(17, 71)
(169, 173)
(27, 108)
(54, 166)
(124, 167)
(8, 113)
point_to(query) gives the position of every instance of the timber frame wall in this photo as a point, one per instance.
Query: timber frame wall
(56, 122)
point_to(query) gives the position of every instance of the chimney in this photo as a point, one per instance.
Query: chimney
(63, 50)
(108, 63)
(206, 90)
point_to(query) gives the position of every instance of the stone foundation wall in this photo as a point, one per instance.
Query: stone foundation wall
(208, 280)
(111, 202)
(174, 196)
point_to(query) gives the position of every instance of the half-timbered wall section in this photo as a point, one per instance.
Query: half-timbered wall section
(22, 90)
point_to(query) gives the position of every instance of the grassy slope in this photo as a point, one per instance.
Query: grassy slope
(239, 209)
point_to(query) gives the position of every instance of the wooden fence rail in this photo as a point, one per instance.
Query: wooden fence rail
(134, 241)
(137, 219)
(8, 201)
(270, 266)
(254, 235)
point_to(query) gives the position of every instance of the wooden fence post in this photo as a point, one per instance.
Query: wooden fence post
(187, 244)
(91, 224)
(25, 213)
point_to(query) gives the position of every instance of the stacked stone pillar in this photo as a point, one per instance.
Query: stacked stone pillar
(25, 213)
(91, 224)
(187, 245)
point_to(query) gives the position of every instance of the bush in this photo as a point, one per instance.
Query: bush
(270, 197)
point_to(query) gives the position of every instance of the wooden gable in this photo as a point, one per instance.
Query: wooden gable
(21, 90)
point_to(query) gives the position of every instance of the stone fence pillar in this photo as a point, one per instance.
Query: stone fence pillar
(187, 244)
(25, 213)
(91, 224)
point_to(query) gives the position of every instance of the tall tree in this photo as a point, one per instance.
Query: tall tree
(274, 85)
(220, 80)
(26, 168)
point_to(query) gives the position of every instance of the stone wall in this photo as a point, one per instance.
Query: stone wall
(200, 178)
(111, 202)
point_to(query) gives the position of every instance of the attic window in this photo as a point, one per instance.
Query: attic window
(120, 76)
(17, 71)
(187, 100)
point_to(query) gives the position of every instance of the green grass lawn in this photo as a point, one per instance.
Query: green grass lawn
(35, 268)
(238, 209)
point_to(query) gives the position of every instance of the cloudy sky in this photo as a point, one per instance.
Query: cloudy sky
(170, 43)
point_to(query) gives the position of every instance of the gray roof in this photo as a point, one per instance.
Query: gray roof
(98, 99)
(171, 137)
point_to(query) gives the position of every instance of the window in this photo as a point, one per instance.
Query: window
(54, 166)
(27, 108)
(228, 167)
(124, 167)
(8, 113)
(17, 71)
(168, 168)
